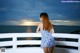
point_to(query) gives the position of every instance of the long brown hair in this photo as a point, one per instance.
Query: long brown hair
(46, 23)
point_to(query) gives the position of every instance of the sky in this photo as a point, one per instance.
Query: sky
(11, 10)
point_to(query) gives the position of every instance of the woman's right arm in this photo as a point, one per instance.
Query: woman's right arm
(38, 28)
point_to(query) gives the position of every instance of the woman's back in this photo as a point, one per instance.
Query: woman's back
(43, 30)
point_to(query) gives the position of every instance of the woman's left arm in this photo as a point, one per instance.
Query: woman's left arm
(52, 30)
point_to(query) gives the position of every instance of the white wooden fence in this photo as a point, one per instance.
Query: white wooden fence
(62, 46)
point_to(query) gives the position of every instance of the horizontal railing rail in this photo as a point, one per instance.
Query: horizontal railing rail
(19, 42)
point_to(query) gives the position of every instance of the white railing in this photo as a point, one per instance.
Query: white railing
(62, 46)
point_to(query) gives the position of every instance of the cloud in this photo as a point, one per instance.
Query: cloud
(3, 9)
(9, 23)
(57, 16)
(26, 22)
(23, 22)
(31, 9)
(66, 22)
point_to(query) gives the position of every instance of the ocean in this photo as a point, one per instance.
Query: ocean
(32, 29)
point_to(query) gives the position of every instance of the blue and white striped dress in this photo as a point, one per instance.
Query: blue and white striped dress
(47, 40)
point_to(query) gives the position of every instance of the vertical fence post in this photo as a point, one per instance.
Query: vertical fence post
(79, 45)
(14, 42)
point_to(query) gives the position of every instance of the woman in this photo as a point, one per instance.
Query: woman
(46, 29)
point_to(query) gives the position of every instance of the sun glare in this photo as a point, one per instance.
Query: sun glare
(28, 23)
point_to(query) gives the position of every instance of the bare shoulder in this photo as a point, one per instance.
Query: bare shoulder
(40, 24)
